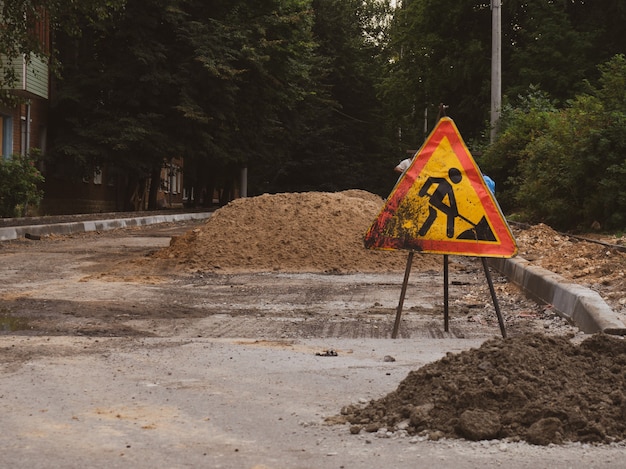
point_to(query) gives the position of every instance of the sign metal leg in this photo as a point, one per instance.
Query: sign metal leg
(407, 272)
(445, 293)
(494, 298)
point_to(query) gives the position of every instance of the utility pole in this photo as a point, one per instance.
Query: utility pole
(496, 65)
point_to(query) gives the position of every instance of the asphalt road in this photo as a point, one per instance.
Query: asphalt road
(230, 371)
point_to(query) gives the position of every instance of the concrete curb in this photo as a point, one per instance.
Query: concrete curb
(580, 305)
(31, 231)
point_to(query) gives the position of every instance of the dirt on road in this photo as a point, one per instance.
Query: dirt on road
(246, 261)
(291, 267)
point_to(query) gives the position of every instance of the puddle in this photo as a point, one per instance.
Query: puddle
(11, 324)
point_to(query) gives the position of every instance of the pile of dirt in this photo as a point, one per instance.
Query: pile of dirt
(290, 232)
(530, 387)
(600, 266)
(323, 232)
(534, 388)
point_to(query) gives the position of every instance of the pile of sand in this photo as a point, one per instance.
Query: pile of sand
(291, 232)
(323, 232)
(534, 388)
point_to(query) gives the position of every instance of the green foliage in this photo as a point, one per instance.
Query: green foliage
(312, 94)
(442, 54)
(566, 167)
(114, 102)
(505, 159)
(544, 46)
(284, 87)
(19, 185)
(344, 141)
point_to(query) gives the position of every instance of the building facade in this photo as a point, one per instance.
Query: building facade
(23, 126)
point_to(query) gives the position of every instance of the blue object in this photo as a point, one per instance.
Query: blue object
(491, 184)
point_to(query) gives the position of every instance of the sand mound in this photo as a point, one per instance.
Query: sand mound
(535, 388)
(291, 232)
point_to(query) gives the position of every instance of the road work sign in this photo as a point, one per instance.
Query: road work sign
(442, 204)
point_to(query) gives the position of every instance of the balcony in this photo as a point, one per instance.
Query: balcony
(32, 77)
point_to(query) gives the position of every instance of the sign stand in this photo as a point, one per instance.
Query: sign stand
(494, 298)
(441, 205)
(445, 293)
(407, 272)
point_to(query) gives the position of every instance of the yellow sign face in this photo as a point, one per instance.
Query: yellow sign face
(442, 204)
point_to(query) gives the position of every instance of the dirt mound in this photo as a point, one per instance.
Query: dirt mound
(601, 267)
(291, 232)
(535, 388)
(323, 232)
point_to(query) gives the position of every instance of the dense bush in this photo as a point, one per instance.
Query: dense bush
(19, 191)
(565, 167)
(504, 159)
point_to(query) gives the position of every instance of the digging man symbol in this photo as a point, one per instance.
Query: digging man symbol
(442, 200)
(437, 201)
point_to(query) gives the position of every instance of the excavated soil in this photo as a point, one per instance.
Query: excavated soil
(323, 232)
(295, 232)
(539, 388)
(599, 264)
(535, 388)
(531, 387)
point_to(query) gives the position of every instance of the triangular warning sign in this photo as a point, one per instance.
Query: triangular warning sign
(442, 204)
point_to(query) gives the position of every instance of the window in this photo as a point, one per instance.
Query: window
(171, 179)
(6, 135)
(97, 175)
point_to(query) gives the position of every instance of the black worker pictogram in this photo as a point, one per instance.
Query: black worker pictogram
(441, 200)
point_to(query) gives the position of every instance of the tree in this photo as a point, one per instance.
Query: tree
(115, 103)
(545, 48)
(345, 140)
(219, 84)
(249, 71)
(18, 19)
(286, 88)
(443, 52)
(442, 55)
(565, 167)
